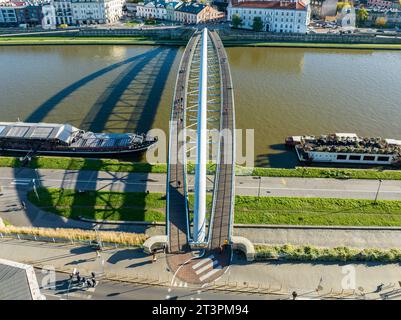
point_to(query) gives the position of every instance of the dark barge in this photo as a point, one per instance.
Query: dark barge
(66, 140)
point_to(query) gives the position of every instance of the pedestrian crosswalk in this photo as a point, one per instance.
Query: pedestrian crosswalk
(207, 267)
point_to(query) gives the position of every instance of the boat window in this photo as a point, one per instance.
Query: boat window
(369, 158)
(383, 158)
(341, 157)
(355, 157)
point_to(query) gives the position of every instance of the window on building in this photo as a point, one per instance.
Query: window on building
(353, 157)
(341, 157)
(369, 158)
(383, 158)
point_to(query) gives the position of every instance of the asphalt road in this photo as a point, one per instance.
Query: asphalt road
(63, 289)
(245, 185)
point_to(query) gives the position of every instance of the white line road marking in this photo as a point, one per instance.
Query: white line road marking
(202, 262)
(210, 265)
(210, 273)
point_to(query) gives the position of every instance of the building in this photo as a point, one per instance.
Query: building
(96, 11)
(49, 17)
(63, 11)
(389, 18)
(18, 282)
(193, 13)
(8, 15)
(386, 4)
(16, 13)
(155, 9)
(277, 16)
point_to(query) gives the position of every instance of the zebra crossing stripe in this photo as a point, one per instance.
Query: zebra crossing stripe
(202, 262)
(207, 266)
(210, 273)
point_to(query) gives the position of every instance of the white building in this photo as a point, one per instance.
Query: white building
(277, 16)
(49, 16)
(96, 11)
(151, 9)
(63, 10)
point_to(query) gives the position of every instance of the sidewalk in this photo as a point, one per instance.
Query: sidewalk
(274, 277)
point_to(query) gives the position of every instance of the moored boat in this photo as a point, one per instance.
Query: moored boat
(346, 148)
(67, 140)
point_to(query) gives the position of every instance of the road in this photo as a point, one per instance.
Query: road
(62, 289)
(245, 185)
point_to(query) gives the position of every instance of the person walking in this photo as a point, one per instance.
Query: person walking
(154, 259)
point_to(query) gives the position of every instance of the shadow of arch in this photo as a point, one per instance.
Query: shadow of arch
(43, 110)
(138, 63)
(132, 98)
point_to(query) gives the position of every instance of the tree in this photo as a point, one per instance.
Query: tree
(236, 21)
(341, 5)
(362, 15)
(381, 22)
(257, 24)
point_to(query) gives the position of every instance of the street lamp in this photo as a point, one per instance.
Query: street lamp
(260, 181)
(378, 190)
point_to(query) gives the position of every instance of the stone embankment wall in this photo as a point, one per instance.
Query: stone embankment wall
(244, 36)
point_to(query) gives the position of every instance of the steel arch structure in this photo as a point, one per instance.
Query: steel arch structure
(203, 105)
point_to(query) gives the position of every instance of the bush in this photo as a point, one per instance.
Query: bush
(340, 254)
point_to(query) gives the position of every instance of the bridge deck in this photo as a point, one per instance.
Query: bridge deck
(224, 193)
(177, 202)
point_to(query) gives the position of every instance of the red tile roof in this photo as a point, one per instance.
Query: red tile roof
(270, 5)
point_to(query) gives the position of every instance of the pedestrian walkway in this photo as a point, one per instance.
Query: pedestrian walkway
(309, 280)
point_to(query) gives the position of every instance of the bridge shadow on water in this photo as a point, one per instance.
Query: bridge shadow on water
(129, 104)
(282, 157)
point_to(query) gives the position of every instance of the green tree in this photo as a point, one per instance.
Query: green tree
(257, 24)
(343, 4)
(381, 22)
(362, 15)
(236, 21)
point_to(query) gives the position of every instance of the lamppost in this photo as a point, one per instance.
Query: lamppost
(378, 190)
(260, 181)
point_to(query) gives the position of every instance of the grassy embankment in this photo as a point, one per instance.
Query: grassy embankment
(121, 40)
(125, 166)
(248, 210)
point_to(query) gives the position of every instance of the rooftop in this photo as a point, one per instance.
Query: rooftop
(271, 5)
(350, 143)
(44, 131)
(189, 7)
(18, 282)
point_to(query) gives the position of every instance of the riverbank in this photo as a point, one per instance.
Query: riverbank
(355, 46)
(34, 40)
(150, 207)
(113, 165)
(135, 40)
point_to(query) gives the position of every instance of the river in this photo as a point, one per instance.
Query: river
(278, 91)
